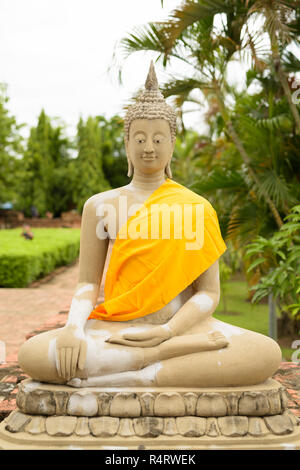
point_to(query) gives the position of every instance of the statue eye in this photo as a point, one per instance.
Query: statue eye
(140, 141)
(159, 139)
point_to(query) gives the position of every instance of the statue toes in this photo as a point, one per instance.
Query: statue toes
(218, 339)
(75, 382)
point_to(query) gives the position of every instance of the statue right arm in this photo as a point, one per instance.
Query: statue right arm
(71, 345)
(93, 252)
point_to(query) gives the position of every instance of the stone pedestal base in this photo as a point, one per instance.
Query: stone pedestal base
(60, 417)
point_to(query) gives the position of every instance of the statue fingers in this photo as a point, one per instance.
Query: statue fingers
(137, 344)
(82, 354)
(68, 363)
(150, 343)
(58, 363)
(115, 339)
(138, 336)
(75, 355)
(62, 360)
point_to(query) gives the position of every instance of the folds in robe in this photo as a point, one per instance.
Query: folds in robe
(172, 239)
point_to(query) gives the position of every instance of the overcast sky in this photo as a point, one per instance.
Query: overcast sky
(55, 55)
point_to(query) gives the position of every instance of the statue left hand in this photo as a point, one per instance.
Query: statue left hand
(143, 339)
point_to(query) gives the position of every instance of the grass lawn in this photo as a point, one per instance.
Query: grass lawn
(23, 261)
(243, 313)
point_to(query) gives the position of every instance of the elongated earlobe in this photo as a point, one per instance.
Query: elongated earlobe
(129, 163)
(168, 171)
(130, 168)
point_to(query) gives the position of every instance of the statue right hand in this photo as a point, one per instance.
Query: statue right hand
(71, 350)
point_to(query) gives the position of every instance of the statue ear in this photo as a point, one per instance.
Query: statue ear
(130, 165)
(168, 171)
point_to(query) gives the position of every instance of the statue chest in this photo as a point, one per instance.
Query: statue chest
(115, 213)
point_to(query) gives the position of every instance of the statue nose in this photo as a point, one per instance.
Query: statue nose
(149, 146)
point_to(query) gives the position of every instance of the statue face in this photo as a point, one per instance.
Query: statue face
(150, 146)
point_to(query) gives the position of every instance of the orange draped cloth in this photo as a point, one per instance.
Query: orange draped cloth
(172, 239)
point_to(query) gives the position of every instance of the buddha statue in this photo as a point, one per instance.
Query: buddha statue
(155, 326)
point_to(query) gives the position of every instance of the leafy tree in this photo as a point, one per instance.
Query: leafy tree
(113, 151)
(10, 151)
(47, 182)
(186, 153)
(87, 169)
(277, 259)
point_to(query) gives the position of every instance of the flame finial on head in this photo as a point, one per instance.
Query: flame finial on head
(150, 104)
(151, 81)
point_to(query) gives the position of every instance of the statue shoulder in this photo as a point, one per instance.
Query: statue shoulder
(105, 197)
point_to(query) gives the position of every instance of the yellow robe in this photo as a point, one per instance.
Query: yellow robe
(161, 249)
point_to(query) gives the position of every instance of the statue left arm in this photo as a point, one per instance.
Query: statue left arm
(198, 308)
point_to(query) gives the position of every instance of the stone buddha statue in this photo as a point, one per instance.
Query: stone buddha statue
(155, 326)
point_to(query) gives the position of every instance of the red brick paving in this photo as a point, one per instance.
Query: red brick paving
(24, 310)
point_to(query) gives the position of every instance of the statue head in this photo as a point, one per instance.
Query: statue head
(151, 112)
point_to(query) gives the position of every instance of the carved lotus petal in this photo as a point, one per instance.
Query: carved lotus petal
(60, 425)
(82, 404)
(126, 427)
(125, 404)
(279, 424)
(211, 404)
(233, 426)
(253, 404)
(191, 426)
(147, 403)
(148, 426)
(104, 401)
(169, 404)
(40, 402)
(105, 426)
(170, 428)
(190, 400)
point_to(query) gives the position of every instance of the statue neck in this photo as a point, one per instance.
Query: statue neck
(149, 183)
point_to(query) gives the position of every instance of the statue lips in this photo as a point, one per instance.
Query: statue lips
(149, 158)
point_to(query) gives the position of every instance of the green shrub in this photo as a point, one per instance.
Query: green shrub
(23, 261)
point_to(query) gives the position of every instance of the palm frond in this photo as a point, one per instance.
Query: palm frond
(290, 62)
(183, 86)
(191, 12)
(220, 179)
(241, 229)
(276, 14)
(275, 186)
(149, 37)
(281, 121)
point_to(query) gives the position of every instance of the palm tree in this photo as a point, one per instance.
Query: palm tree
(282, 26)
(186, 155)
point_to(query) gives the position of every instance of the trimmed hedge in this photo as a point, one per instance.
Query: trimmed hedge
(23, 261)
